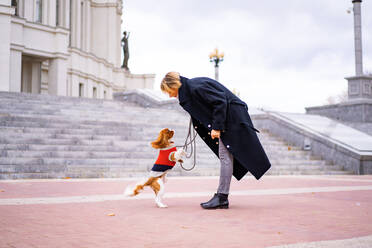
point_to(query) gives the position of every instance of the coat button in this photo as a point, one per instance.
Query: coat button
(209, 133)
(196, 127)
(209, 125)
(216, 143)
(228, 146)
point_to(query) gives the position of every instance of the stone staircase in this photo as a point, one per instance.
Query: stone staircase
(43, 136)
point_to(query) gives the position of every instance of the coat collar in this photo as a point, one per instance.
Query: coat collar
(183, 94)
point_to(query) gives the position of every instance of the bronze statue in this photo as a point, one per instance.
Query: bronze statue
(15, 4)
(124, 42)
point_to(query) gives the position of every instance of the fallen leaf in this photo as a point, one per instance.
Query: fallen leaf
(184, 227)
(279, 233)
(67, 178)
(111, 214)
(289, 148)
(1, 190)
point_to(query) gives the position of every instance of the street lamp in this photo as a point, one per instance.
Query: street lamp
(358, 37)
(216, 57)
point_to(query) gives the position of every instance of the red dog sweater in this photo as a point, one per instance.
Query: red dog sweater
(164, 161)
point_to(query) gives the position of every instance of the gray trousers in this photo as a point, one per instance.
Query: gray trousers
(226, 171)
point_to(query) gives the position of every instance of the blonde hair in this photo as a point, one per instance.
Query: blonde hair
(170, 81)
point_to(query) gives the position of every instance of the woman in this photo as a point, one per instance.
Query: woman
(222, 121)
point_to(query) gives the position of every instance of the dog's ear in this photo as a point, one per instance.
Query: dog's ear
(162, 140)
(170, 134)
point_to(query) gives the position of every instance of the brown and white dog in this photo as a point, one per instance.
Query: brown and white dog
(167, 158)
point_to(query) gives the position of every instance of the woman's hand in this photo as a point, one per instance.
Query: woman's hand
(215, 134)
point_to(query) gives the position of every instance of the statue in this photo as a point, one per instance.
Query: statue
(124, 42)
(15, 5)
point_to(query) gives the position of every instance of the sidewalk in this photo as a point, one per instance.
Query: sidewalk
(332, 211)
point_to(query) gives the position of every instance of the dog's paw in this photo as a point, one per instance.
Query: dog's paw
(161, 205)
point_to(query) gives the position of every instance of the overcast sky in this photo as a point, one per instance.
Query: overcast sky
(280, 55)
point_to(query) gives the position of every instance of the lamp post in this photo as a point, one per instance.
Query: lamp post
(360, 85)
(216, 57)
(358, 37)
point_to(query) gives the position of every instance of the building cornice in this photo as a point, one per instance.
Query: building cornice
(40, 26)
(91, 56)
(108, 4)
(6, 10)
(91, 77)
(104, 3)
(369, 77)
(37, 52)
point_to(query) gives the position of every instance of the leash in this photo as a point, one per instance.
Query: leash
(190, 141)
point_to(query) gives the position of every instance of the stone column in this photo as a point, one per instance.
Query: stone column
(57, 77)
(83, 14)
(66, 14)
(216, 73)
(15, 70)
(51, 12)
(5, 16)
(109, 93)
(44, 12)
(21, 8)
(358, 37)
(87, 26)
(89, 88)
(35, 77)
(76, 24)
(74, 85)
(28, 10)
(359, 86)
(26, 76)
(111, 28)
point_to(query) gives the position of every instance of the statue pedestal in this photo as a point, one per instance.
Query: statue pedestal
(360, 87)
(358, 108)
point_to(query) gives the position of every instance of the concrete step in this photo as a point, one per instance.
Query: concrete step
(139, 152)
(25, 175)
(203, 161)
(29, 121)
(115, 126)
(46, 138)
(128, 146)
(102, 118)
(304, 167)
(50, 136)
(311, 172)
(88, 174)
(89, 130)
(107, 162)
(150, 154)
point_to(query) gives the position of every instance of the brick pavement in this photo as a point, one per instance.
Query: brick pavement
(299, 211)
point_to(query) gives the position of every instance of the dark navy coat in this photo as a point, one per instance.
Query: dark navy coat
(213, 106)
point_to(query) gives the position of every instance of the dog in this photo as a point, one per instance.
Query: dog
(167, 158)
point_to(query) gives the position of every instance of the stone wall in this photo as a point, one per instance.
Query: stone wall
(320, 146)
(365, 127)
(147, 98)
(351, 111)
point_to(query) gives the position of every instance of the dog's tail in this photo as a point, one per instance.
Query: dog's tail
(132, 190)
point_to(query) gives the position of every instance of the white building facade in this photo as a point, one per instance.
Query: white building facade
(64, 47)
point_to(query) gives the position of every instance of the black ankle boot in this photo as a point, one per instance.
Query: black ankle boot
(218, 201)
